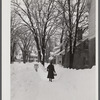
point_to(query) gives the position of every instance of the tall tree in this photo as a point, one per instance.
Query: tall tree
(40, 16)
(76, 18)
(15, 24)
(25, 42)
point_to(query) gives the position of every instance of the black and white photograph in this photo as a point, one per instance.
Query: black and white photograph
(53, 50)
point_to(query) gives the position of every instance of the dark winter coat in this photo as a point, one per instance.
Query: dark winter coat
(51, 71)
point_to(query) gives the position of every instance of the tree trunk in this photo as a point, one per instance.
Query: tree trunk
(71, 60)
(38, 48)
(73, 46)
(70, 36)
(43, 61)
(43, 49)
(65, 60)
(12, 52)
(43, 53)
(12, 56)
(24, 56)
(61, 39)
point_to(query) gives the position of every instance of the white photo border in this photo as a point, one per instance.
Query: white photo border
(6, 50)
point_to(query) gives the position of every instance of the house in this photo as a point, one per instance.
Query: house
(85, 51)
(56, 55)
(81, 57)
(84, 55)
(33, 57)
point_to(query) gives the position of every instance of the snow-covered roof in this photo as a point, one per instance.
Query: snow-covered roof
(54, 53)
(51, 58)
(57, 47)
(33, 54)
(85, 34)
(92, 36)
(62, 52)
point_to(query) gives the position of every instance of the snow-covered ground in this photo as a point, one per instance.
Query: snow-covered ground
(69, 84)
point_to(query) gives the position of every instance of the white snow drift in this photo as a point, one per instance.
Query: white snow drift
(69, 84)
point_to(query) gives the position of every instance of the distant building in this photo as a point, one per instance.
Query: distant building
(84, 57)
(33, 57)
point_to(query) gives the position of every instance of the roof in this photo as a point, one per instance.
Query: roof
(33, 54)
(91, 37)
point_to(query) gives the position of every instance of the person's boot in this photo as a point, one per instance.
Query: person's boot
(51, 80)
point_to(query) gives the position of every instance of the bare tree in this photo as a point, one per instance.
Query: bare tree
(40, 16)
(15, 24)
(76, 18)
(25, 42)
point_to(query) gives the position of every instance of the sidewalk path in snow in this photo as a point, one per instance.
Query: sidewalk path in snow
(51, 90)
(69, 84)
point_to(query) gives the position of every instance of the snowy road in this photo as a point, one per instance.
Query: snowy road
(27, 84)
(51, 91)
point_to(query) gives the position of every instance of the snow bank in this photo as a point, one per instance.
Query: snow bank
(69, 84)
(24, 81)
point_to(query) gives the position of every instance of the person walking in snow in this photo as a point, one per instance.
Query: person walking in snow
(51, 71)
